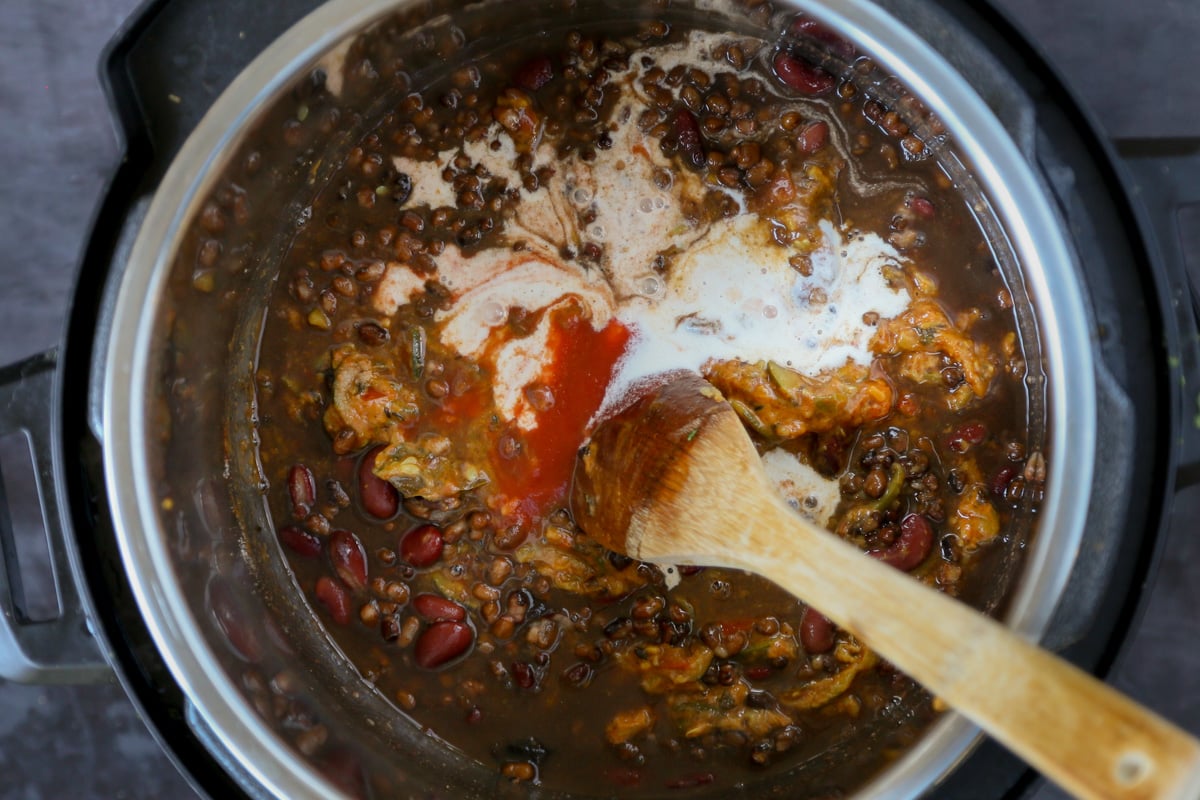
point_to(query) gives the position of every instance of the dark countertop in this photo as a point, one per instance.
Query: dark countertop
(1133, 64)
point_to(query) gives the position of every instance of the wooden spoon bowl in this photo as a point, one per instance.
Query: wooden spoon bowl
(675, 479)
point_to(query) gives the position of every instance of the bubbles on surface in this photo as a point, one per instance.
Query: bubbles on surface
(648, 205)
(651, 286)
(539, 396)
(494, 314)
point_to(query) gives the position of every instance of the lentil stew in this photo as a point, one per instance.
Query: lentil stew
(507, 248)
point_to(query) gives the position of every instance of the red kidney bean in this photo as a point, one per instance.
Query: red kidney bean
(911, 546)
(378, 497)
(437, 608)
(349, 558)
(809, 27)
(1002, 479)
(335, 598)
(687, 570)
(301, 541)
(422, 546)
(523, 675)
(801, 76)
(441, 643)
(302, 489)
(812, 137)
(534, 73)
(759, 672)
(922, 207)
(970, 434)
(232, 622)
(687, 135)
(816, 631)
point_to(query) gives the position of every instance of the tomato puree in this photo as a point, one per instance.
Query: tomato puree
(533, 467)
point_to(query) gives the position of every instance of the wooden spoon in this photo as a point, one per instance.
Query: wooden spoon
(674, 479)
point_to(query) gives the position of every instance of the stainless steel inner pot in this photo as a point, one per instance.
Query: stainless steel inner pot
(278, 704)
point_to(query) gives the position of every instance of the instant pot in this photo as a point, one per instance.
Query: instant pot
(203, 654)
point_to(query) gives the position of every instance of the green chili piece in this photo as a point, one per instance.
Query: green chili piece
(787, 379)
(895, 483)
(418, 351)
(750, 418)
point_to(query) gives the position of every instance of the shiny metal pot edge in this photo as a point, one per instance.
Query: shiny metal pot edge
(1019, 199)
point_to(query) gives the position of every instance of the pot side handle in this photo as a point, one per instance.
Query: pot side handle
(61, 649)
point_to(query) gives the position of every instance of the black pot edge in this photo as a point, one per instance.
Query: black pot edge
(120, 633)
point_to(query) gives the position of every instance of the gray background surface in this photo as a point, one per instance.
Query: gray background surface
(1135, 64)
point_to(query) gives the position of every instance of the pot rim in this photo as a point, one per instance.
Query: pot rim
(1018, 196)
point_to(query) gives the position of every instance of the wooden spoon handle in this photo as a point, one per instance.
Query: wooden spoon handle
(1078, 732)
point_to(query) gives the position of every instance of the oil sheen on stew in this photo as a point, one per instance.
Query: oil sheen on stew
(499, 262)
